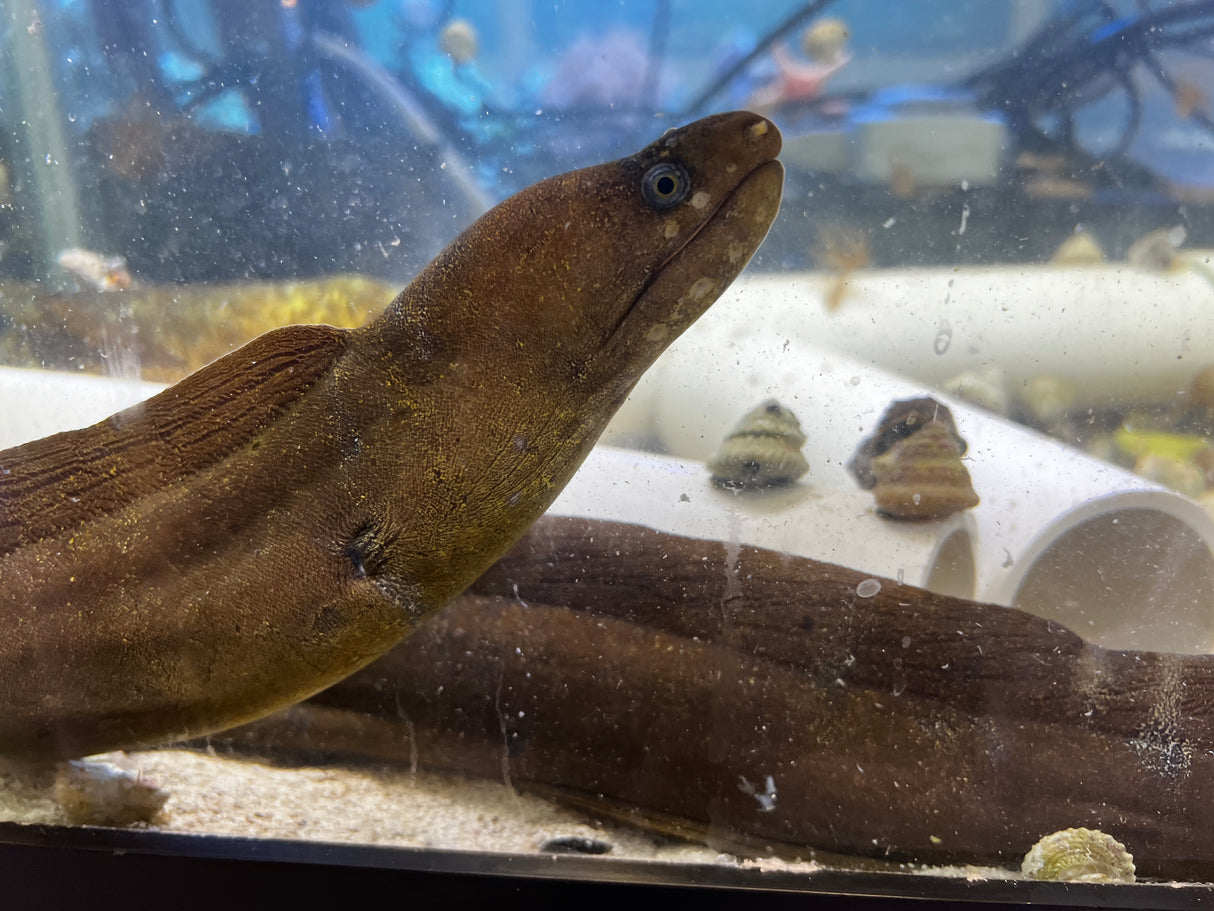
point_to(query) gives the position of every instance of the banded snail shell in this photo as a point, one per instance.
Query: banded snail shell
(763, 450)
(900, 420)
(922, 476)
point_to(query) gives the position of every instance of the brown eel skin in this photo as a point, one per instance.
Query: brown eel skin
(278, 519)
(659, 678)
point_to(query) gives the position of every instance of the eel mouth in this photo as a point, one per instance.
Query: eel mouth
(712, 256)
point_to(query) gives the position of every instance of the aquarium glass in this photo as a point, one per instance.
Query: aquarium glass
(899, 559)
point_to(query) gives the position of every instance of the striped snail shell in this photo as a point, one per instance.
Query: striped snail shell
(900, 420)
(922, 477)
(763, 450)
(912, 463)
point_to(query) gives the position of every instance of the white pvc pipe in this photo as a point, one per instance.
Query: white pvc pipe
(42, 402)
(1116, 333)
(1124, 562)
(677, 496)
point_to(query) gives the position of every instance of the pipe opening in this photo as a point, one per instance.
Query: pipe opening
(1130, 578)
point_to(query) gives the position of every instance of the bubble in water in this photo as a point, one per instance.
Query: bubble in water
(868, 588)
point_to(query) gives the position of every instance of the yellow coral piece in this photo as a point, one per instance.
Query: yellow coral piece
(1180, 446)
(165, 332)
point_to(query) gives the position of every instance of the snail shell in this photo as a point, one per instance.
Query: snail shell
(1046, 400)
(1081, 248)
(1184, 477)
(922, 477)
(1201, 390)
(763, 450)
(1195, 411)
(1079, 855)
(986, 387)
(104, 791)
(901, 419)
(1156, 249)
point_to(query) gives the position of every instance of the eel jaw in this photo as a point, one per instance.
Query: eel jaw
(696, 274)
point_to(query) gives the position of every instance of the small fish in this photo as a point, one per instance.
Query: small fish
(95, 271)
(1194, 411)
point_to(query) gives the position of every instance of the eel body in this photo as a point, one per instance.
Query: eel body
(281, 517)
(757, 699)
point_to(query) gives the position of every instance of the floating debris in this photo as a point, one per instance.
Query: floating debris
(1079, 856)
(912, 463)
(763, 450)
(868, 588)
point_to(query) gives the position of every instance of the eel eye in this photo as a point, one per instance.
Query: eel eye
(665, 185)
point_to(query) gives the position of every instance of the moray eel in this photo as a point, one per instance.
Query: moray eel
(756, 700)
(283, 516)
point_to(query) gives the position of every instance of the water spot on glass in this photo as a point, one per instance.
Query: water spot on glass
(944, 337)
